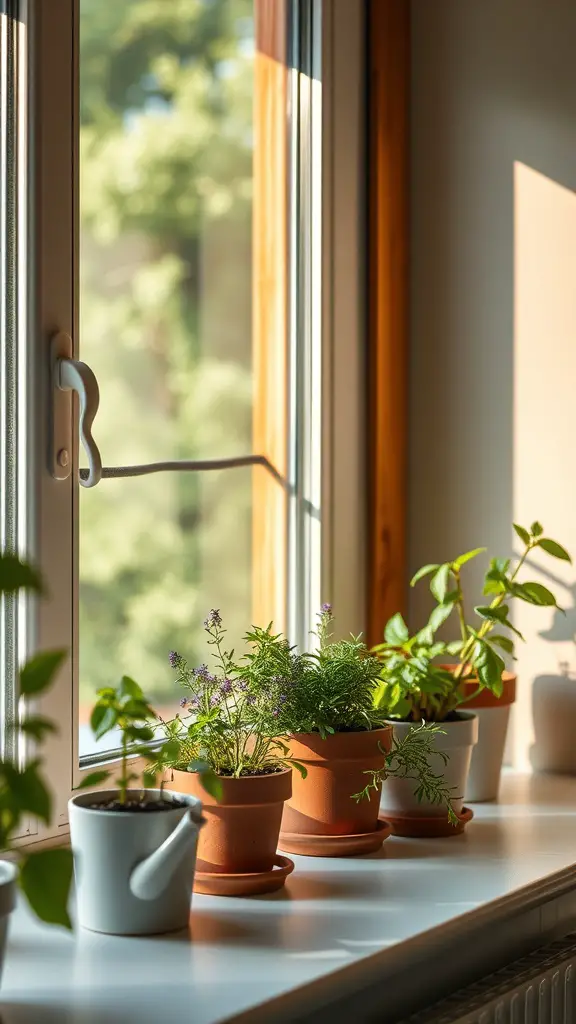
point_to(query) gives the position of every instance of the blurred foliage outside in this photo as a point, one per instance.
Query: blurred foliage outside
(166, 91)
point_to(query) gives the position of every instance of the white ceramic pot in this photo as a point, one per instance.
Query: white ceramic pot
(457, 741)
(8, 874)
(493, 716)
(486, 765)
(134, 870)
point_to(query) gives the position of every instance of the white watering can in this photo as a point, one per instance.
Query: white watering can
(134, 870)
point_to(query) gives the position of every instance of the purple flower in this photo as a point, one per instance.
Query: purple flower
(175, 659)
(326, 608)
(214, 699)
(203, 673)
(276, 712)
(226, 686)
(282, 698)
(184, 701)
(213, 620)
(242, 685)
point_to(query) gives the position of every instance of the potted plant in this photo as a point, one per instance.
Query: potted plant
(326, 714)
(134, 849)
(43, 876)
(228, 723)
(416, 685)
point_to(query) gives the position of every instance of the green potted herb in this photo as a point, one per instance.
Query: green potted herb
(417, 685)
(134, 848)
(227, 722)
(44, 876)
(323, 705)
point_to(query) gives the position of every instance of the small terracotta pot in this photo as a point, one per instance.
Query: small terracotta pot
(322, 804)
(241, 831)
(493, 714)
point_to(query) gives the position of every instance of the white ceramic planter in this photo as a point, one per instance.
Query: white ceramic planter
(493, 716)
(457, 741)
(8, 874)
(486, 765)
(134, 871)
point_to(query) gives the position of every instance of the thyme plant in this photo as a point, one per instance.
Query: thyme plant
(229, 717)
(414, 685)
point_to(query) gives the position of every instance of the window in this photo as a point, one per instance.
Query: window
(186, 165)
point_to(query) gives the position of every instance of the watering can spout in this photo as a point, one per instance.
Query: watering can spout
(151, 876)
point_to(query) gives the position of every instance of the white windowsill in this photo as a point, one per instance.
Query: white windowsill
(362, 917)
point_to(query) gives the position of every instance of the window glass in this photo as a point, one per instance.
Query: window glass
(166, 175)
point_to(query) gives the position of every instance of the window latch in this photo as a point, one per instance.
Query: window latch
(68, 375)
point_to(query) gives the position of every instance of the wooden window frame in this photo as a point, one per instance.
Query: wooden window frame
(388, 331)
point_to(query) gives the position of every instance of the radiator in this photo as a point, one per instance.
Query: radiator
(539, 989)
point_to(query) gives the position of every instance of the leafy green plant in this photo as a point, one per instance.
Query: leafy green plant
(413, 684)
(126, 710)
(44, 876)
(229, 719)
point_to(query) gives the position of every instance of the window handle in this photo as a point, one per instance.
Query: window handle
(72, 375)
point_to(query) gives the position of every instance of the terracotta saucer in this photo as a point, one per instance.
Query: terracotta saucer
(334, 846)
(437, 827)
(213, 883)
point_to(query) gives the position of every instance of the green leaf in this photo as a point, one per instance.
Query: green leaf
(93, 779)
(36, 726)
(502, 641)
(27, 791)
(535, 593)
(45, 879)
(208, 778)
(396, 631)
(439, 583)
(497, 614)
(129, 688)
(522, 533)
(149, 777)
(454, 648)
(424, 571)
(102, 720)
(536, 529)
(439, 615)
(552, 548)
(459, 562)
(38, 673)
(490, 667)
(139, 733)
(299, 768)
(171, 749)
(17, 575)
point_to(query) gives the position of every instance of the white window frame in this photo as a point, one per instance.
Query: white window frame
(327, 464)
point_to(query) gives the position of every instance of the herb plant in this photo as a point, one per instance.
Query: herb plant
(413, 684)
(229, 718)
(44, 876)
(126, 709)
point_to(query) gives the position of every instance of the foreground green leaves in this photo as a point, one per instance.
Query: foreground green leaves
(45, 879)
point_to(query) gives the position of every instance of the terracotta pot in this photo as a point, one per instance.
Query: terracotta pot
(322, 804)
(457, 741)
(241, 831)
(493, 715)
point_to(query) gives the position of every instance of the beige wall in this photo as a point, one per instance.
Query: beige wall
(493, 359)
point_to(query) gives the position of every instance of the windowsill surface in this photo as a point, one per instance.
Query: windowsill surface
(355, 914)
